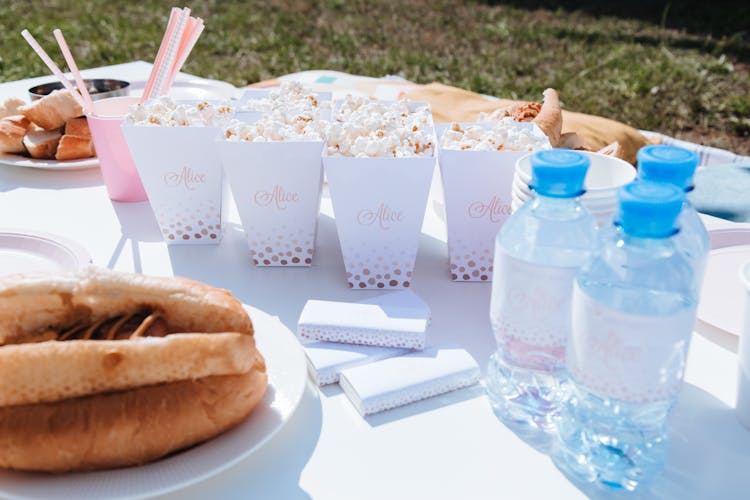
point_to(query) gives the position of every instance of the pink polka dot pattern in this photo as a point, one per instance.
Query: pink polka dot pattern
(534, 335)
(384, 269)
(194, 224)
(281, 247)
(470, 262)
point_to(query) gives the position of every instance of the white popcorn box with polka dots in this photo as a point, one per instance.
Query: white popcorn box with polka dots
(398, 319)
(181, 172)
(401, 380)
(379, 205)
(477, 187)
(277, 189)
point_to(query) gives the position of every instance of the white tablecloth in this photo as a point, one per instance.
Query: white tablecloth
(446, 447)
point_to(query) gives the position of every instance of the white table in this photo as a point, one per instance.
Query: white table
(446, 447)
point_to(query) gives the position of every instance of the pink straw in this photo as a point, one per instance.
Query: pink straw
(188, 42)
(89, 104)
(160, 54)
(170, 55)
(52, 66)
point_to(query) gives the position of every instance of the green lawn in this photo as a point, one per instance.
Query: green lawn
(683, 71)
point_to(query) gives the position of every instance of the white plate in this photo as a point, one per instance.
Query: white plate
(287, 375)
(193, 89)
(24, 161)
(28, 251)
(721, 304)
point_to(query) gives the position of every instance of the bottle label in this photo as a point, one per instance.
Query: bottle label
(531, 303)
(629, 357)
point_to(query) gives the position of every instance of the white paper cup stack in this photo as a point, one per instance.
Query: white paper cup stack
(743, 372)
(605, 176)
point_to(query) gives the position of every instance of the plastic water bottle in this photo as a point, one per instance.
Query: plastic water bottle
(537, 254)
(677, 166)
(633, 313)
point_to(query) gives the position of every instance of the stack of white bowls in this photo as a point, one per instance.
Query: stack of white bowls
(605, 175)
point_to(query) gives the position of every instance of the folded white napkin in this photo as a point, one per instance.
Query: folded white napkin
(401, 380)
(397, 319)
(325, 360)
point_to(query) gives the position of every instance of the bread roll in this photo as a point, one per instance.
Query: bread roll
(41, 143)
(78, 126)
(126, 428)
(73, 147)
(12, 131)
(104, 369)
(53, 110)
(10, 107)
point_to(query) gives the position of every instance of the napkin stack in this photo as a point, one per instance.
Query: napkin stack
(375, 350)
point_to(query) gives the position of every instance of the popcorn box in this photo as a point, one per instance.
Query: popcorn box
(379, 204)
(477, 188)
(181, 171)
(277, 188)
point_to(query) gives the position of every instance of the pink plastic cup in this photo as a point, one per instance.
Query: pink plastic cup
(118, 170)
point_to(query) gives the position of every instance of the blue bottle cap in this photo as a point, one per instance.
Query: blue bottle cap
(649, 209)
(558, 173)
(670, 164)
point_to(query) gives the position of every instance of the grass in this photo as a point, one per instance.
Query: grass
(677, 70)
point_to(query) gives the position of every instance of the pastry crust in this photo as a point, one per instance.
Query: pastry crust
(10, 107)
(41, 143)
(91, 403)
(550, 118)
(47, 372)
(73, 147)
(78, 126)
(125, 428)
(30, 303)
(53, 110)
(12, 131)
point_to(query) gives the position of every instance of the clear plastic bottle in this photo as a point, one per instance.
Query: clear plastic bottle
(674, 165)
(537, 253)
(633, 313)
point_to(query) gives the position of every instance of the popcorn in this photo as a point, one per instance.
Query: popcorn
(364, 128)
(290, 113)
(277, 127)
(504, 135)
(290, 95)
(163, 111)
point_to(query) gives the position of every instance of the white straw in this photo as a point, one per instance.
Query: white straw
(89, 105)
(52, 66)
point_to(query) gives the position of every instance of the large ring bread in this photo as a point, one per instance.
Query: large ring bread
(106, 369)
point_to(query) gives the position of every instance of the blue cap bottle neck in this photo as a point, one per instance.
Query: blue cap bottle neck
(554, 207)
(644, 241)
(685, 189)
(557, 200)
